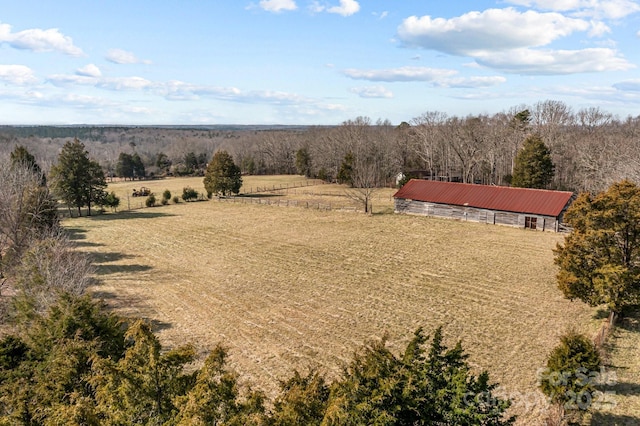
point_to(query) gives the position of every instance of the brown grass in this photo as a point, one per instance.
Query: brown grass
(624, 364)
(294, 188)
(287, 288)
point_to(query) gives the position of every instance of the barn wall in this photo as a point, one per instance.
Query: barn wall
(472, 214)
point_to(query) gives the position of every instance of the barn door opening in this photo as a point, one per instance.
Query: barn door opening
(530, 222)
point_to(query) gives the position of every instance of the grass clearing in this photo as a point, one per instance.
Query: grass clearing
(283, 187)
(624, 349)
(287, 288)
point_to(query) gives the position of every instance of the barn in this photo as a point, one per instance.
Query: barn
(537, 209)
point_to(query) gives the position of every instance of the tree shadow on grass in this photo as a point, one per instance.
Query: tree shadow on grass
(601, 314)
(103, 262)
(630, 320)
(604, 418)
(258, 195)
(116, 269)
(129, 303)
(131, 214)
(79, 238)
(111, 256)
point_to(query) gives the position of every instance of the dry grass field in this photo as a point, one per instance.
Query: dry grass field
(624, 349)
(293, 188)
(287, 288)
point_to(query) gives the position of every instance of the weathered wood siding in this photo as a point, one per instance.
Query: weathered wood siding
(472, 214)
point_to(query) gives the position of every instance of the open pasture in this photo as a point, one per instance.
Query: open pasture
(292, 288)
(279, 187)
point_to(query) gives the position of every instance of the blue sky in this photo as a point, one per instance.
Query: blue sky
(311, 61)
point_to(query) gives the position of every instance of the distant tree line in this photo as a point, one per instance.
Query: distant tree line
(589, 148)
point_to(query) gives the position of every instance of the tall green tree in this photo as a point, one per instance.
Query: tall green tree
(533, 167)
(20, 155)
(124, 166)
(142, 386)
(345, 174)
(222, 176)
(215, 397)
(45, 368)
(139, 171)
(302, 400)
(600, 259)
(78, 180)
(428, 385)
(163, 162)
(303, 162)
(130, 166)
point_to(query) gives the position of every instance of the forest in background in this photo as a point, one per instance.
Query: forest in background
(590, 148)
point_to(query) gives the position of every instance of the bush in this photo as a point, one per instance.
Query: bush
(112, 201)
(571, 374)
(151, 200)
(189, 194)
(176, 199)
(166, 195)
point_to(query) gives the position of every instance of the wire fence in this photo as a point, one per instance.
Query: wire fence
(316, 205)
(601, 336)
(286, 187)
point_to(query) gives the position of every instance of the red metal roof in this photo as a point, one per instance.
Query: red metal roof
(519, 200)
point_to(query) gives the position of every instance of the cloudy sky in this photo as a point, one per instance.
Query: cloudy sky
(311, 61)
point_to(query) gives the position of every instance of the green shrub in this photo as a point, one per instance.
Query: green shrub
(189, 193)
(176, 199)
(151, 200)
(571, 375)
(112, 201)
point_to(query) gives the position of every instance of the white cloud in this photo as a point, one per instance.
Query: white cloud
(17, 74)
(115, 84)
(559, 5)
(616, 9)
(439, 78)
(489, 31)
(69, 80)
(598, 29)
(119, 56)
(89, 70)
(372, 92)
(125, 83)
(399, 74)
(38, 40)
(601, 9)
(510, 41)
(346, 8)
(179, 90)
(550, 62)
(278, 5)
(628, 85)
(471, 82)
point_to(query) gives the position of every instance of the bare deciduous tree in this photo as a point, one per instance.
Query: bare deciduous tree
(26, 209)
(51, 266)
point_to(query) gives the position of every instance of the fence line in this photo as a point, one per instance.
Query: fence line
(289, 203)
(600, 338)
(286, 187)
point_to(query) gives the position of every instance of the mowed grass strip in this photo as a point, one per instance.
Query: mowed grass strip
(291, 288)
